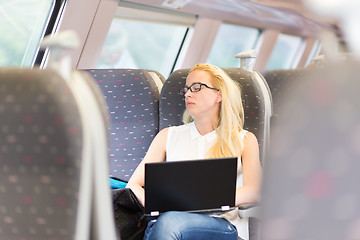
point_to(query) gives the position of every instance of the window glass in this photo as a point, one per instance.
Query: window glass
(140, 44)
(285, 52)
(22, 25)
(230, 40)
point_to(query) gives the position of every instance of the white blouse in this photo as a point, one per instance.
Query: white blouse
(186, 143)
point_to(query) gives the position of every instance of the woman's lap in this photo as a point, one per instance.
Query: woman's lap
(182, 225)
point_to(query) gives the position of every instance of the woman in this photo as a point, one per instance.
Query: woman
(213, 128)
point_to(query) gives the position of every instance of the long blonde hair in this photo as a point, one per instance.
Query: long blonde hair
(230, 119)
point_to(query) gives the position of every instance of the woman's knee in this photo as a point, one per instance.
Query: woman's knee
(172, 221)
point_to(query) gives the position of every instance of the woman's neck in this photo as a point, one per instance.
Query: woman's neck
(204, 127)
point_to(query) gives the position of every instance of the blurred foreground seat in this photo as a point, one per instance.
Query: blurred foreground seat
(309, 185)
(49, 188)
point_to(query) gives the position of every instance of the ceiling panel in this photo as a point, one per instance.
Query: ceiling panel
(288, 16)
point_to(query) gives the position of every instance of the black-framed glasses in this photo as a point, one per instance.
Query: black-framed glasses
(195, 87)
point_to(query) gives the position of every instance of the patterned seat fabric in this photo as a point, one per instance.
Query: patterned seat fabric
(40, 156)
(257, 110)
(310, 189)
(257, 105)
(132, 98)
(280, 82)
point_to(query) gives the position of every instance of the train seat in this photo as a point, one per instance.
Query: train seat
(47, 157)
(132, 98)
(280, 82)
(309, 190)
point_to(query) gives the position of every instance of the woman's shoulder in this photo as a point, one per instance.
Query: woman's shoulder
(161, 136)
(182, 127)
(248, 136)
(243, 132)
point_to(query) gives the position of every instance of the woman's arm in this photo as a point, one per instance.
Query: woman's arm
(155, 153)
(252, 172)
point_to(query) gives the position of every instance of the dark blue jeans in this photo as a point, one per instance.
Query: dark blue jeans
(183, 225)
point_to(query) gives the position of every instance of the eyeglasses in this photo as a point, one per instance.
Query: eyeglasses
(195, 87)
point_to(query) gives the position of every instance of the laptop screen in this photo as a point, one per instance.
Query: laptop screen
(191, 185)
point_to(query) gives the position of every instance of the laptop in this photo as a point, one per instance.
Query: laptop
(206, 185)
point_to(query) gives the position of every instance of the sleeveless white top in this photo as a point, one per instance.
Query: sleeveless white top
(186, 143)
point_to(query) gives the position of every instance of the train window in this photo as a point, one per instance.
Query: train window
(134, 30)
(127, 45)
(230, 40)
(23, 24)
(285, 52)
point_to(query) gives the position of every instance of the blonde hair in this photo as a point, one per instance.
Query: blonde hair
(230, 120)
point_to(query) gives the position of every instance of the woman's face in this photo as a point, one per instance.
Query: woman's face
(204, 103)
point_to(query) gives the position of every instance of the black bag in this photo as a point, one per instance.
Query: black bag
(129, 214)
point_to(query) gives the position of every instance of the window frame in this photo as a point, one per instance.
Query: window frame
(51, 28)
(315, 50)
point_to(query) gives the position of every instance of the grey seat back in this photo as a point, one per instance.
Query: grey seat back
(280, 83)
(96, 123)
(256, 102)
(309, 186)
(257, 105)
(41, 156)
(132, 98)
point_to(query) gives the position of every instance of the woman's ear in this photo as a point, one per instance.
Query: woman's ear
(219, 97)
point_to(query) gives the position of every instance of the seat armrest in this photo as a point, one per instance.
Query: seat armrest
(247, 210)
